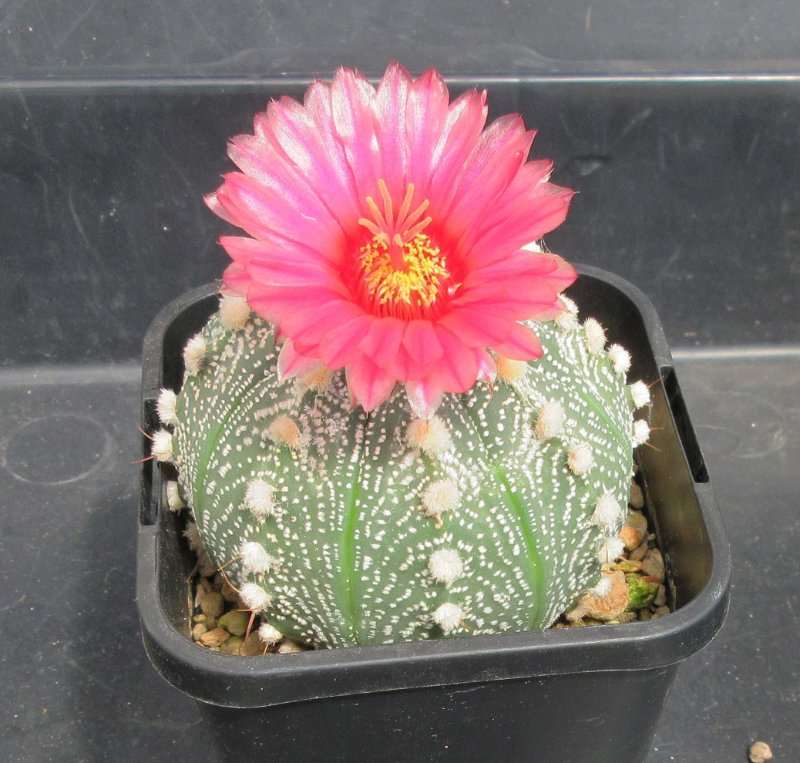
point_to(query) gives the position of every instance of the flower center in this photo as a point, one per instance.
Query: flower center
(416, 285)
(402, 271)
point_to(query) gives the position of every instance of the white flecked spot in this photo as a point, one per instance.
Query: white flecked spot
(640, 394)
(550, 420)
(194, 354)
(641, 432)
(174, 500)
(233, 311)
(595, 336)
(603, 587)
(607, 512)
(611, 550)
(509, 370)
(429, 435)
(440, 496)
(259, 498)
(448, 617)
(580, 459)
(284, 431)
(162, 446)
(269, 634)
(165, 407)
(254, 557)
(445, 566)
(254, 597)
(620, 358)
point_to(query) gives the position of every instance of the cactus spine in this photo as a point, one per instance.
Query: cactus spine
(347, 528)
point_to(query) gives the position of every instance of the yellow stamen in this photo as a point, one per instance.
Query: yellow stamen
(417, 284)
(402, 271)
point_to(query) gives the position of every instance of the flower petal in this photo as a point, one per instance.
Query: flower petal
(522, 344)
(421, 342)
(424, 397)
(390, 123)
(383, 340)
(425, 117)
(341, 346)
(369, 385)
(292, 363)
(457, 369)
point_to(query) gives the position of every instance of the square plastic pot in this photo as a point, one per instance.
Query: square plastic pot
(584, 694)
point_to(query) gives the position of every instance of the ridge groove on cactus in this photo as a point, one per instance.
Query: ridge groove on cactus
(356, 530)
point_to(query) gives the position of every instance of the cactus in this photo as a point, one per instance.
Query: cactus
(342, 527)
(417, 477)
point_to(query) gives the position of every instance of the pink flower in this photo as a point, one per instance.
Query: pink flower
(387, 233)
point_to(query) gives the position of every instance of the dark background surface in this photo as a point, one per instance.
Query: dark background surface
(679, 125)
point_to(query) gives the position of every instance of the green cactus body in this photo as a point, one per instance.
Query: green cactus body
(380, 527)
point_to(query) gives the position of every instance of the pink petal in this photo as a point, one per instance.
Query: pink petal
(520, 221)
(522, 344)
(235, 280)
(383, 341)
(262, 161)
(421, 342)
(300, 270)
(266, 213)
(310, 146)
(309, 328)
(487, 369)
(465, 119)
(426, 114)
(476, 328)
(424, 397)
(341, 345)
(369, 386)
(292, 363)
(352, 118)
(403, 368)
(213, 203)
(390, 120)
(457, 369)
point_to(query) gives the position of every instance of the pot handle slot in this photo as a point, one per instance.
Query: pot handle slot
(151, 475)
(683, 424)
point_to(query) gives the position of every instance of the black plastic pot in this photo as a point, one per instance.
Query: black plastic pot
(588, 694)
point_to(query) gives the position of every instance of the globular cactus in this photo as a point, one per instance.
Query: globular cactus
(341, 527)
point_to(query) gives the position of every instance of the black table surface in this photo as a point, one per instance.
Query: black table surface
(77, 685)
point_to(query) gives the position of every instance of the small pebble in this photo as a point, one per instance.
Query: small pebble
(288, 647)
(626, 565)
(636, 498)
(213, 605)
(253, 646)
(201, 618)
(612, 605)
(235, 622)
(639, 552)
(634, 530)
(198, 631)
(641, 592)
(653, 564)
(229, 593)
(661, 597)
(233, 645)
(217, 637)
(759, 752)
(660, 612)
